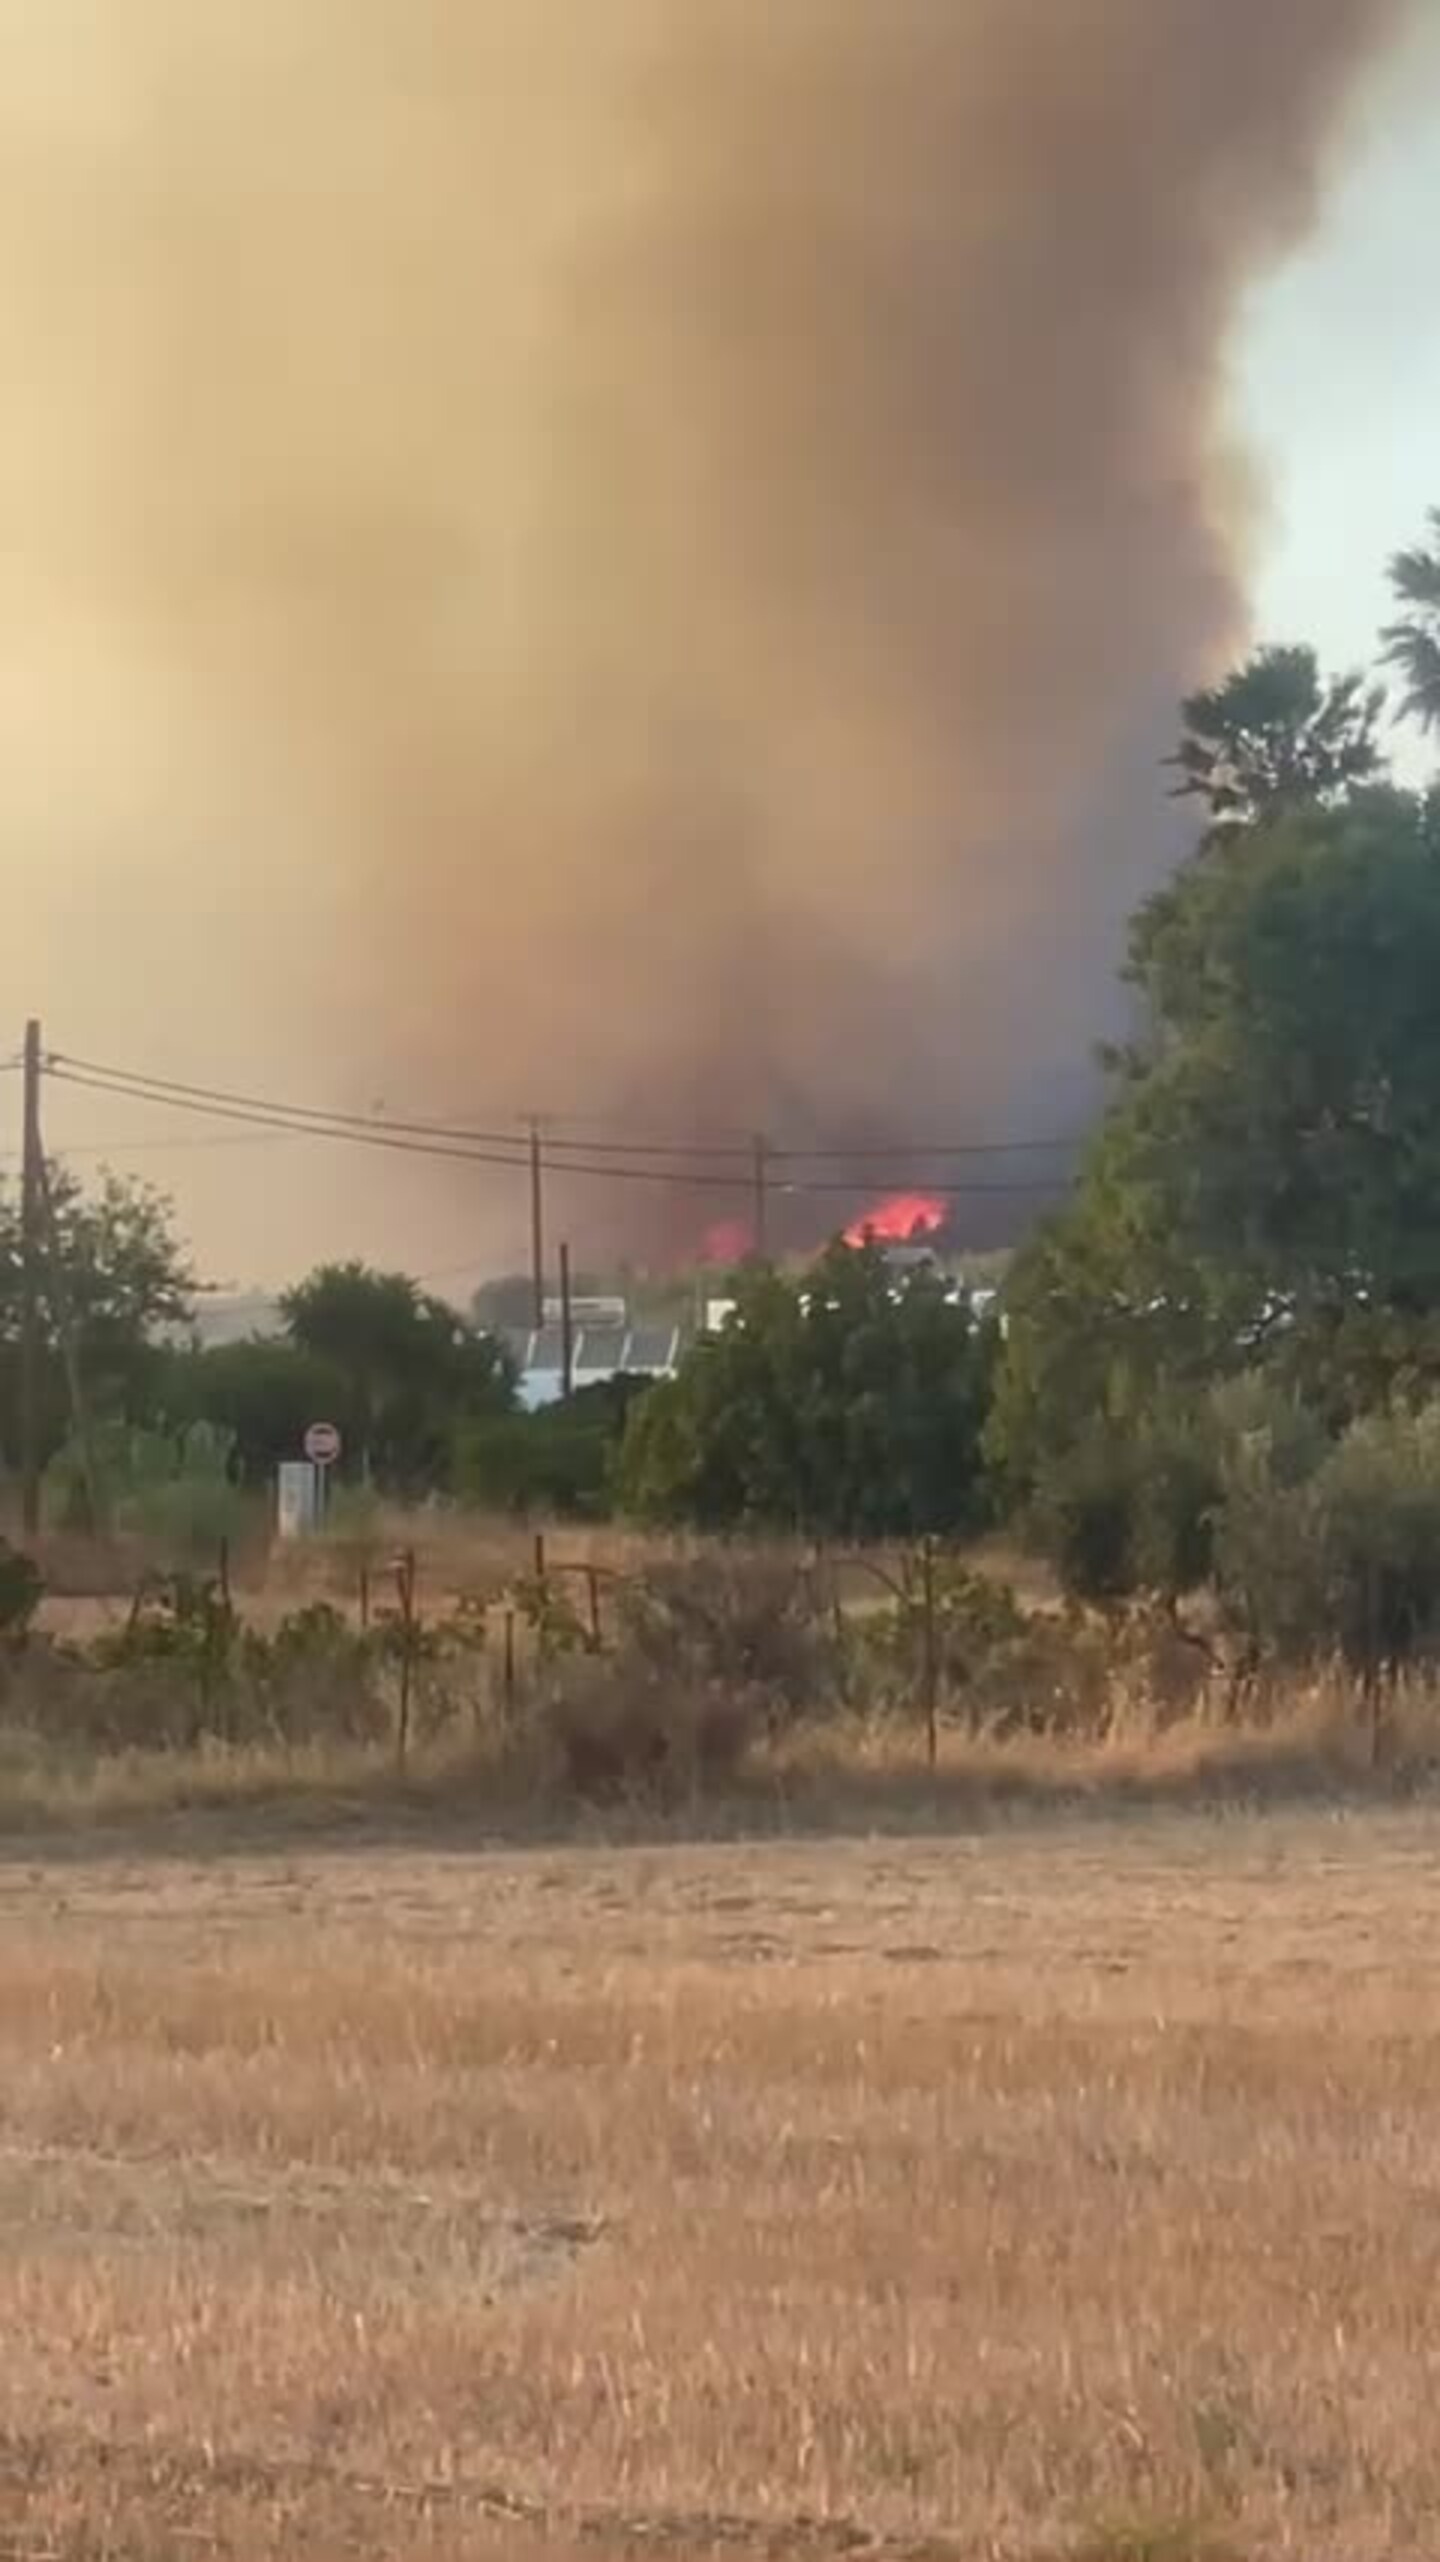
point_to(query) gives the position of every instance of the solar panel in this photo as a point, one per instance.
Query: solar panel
(652, 1347)
(600, 1349)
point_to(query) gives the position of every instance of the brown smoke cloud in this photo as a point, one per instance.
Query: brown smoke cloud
(630, 558)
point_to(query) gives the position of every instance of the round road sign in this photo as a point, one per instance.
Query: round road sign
(322, 1445)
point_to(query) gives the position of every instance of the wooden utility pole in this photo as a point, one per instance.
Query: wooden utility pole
(537, 1225)
(32, 1221)
(567, 1329)
(759, 1174)
(61, 1312)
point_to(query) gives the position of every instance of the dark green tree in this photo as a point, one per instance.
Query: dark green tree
(847, 1404)
(1275, 736)
(1285, 1142)
(506, 1301)
(262, 1393)
(114, 1268)
(1263, 1190)
(1412, 641)
(411, 1367)
(560, 1461)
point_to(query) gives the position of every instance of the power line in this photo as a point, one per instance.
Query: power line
(510, 1150)
(185, 1096)
(738, 1152)
(464, 1147)
(926, 1149)
(155, 1147)
(297, 1121)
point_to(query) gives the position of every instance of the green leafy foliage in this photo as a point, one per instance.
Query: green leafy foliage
(410, 1368)
(187, 1667)
(262, 1394)
(848, 1405)
(119, 1275)
(976, 1623)
(1342, 1554)
(560, 1462)
(1126, 1511)
(175, 1489)
(1261, 1193)
(1285, 1146)
(548, 1606)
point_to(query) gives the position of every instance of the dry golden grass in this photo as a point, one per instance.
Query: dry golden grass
(91, 1581)
(981, 2196)
(834, 1773)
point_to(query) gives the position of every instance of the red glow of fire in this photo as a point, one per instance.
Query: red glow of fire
(727, 1241)
(898, 1220)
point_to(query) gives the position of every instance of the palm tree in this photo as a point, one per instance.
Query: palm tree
(1413, 643)
(1276, 736)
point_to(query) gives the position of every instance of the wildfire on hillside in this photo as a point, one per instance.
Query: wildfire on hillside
(902, 1218)
(898, 1218)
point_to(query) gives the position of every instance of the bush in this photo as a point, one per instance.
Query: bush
(1129, 1512)
(560, 1461)
(1342, 1559)
(22, 1589)
(1086, 1511)
(978, 1622)
(745, 1622)
(175, 1491)
(185, 1668)
(623, 1729)
(315, 1676)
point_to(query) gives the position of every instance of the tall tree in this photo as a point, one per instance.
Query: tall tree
(116, 1269)
(412, 1367)
(1274, 737)
(846, 1404)
(1412, 642)
(261, 1394)
(1264, 1186)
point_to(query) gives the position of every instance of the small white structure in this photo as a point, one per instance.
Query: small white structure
(297, 1498)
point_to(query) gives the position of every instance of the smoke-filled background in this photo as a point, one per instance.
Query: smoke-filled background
(632, 560)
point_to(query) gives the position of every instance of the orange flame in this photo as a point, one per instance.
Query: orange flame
(727, 1241)
(902, 1218)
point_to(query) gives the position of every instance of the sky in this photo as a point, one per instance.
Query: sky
(1335, 396)
(1337, 381)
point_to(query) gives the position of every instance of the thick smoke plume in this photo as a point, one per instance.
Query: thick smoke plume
(624, 556)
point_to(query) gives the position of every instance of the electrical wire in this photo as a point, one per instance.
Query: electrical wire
(517, 1138)
(511, 1147)
(432, 1140)
(555, 1142)
(184, 1140)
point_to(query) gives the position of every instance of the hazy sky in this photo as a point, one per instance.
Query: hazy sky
(1336, 394)
(1338, 378)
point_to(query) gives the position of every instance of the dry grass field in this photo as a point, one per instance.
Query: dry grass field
(1068, 2186)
